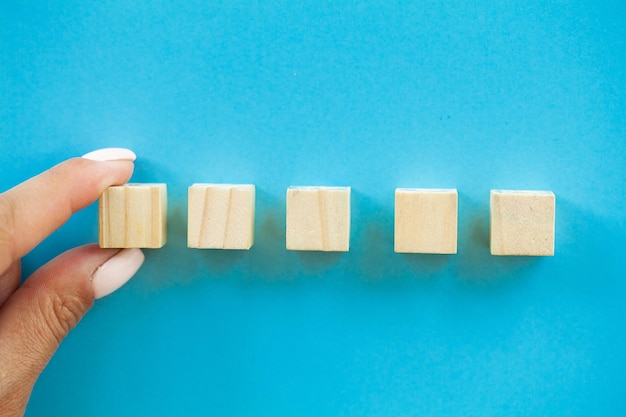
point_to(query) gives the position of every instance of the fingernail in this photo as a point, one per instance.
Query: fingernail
(111, 154)
(116, 272)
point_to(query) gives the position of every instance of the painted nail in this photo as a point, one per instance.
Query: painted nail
(115, 272)
(111, 154)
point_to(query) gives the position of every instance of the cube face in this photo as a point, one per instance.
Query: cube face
(221, 216)
(522, 223)
(426, 221)
(318, 219)
(133, 216)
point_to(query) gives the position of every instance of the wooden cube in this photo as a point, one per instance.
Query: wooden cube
(426, 221)
(318, 219)
(221, 216)
(133, 216)
(522, 223)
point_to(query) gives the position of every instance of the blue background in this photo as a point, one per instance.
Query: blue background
(375, 95)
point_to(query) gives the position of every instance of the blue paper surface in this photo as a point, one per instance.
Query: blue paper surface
(374, 95)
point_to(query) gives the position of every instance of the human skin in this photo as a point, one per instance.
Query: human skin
(36, 316)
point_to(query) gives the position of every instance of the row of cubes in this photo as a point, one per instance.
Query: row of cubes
(221, 216)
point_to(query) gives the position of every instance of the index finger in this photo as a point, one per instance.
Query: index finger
(31, 211)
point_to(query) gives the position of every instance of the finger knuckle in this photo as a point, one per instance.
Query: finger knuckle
(61, 313)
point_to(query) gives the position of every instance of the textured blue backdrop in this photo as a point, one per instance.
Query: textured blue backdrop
(371, 94)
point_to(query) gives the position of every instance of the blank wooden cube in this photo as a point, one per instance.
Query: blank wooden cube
(522, 223)
(426, 221)
(133, 216)
(221, 216)
(318, 219)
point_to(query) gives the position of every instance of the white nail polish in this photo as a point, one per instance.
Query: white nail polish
(115, 272)
(111, 154)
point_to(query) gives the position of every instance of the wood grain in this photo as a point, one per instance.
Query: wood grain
(133, 216)
(522, 223)
(426, 221)
(221, 216)
(318, 219)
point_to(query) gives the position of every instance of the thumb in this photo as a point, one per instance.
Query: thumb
(36, 318)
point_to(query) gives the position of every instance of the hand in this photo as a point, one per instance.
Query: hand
(35, 317)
